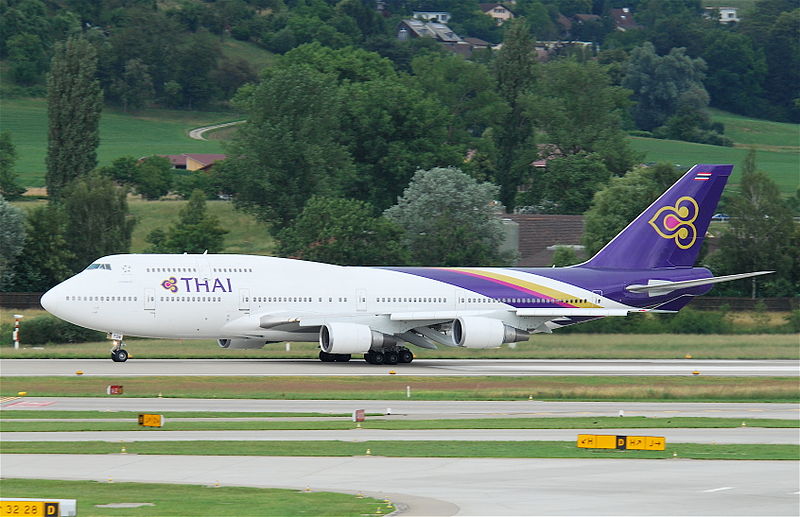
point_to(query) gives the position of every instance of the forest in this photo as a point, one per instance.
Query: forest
(349, 123)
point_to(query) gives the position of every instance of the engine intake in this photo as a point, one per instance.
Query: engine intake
(351, 338)
(241, 343)
(477, 332)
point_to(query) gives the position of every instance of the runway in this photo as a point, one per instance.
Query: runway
(409, 408)
(741, 435)
(428, 367)
(466, 486)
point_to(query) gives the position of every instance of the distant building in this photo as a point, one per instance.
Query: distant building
(539, 235)
(412, 28)
(499, 12)
(193, 161)
(432, 16)
(726, 14)
(623, 19)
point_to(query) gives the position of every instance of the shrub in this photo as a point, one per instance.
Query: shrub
(691, 321)
(49, 329)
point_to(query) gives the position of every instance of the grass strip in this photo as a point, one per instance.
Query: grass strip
(476, 423)
(551, 346)
(390, 387)
(174, 499)
(410, 449)
(56, 414)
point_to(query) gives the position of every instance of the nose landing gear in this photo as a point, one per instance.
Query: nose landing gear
(118, 354)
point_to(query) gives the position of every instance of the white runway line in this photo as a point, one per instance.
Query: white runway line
(718, 489)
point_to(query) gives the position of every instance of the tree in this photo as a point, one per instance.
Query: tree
(27, 59)
(449, 219)
(97, 219)
(343, 231)
(286, 152)
(46, 255)
(154, 177)
(135, 87)
(9, 188)
(74, 103)
(569, 183)
(614, 207)
(658, 83)
(581, 112)
(515, 68)
(758, 237)
(195, 232)
(565, 256)
(389, 130)
(465, 88)
(736, 72)
(12, 237)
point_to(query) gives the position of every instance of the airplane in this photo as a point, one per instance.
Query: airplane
(248, 301)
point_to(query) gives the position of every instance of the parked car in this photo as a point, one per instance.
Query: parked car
(720, 217)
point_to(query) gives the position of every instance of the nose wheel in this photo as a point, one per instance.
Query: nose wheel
(118, 354)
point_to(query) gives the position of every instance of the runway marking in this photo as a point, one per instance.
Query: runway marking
(3, 400)
(718, 489)
(24, 403)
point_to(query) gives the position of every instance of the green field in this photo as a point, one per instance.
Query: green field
(551, 346)
(146, 133)
(411, 449)
(385, 386)
(180, 500)
(782, 166)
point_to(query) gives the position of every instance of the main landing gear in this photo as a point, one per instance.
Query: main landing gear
(118, 354)
(389, 356)
(325, 357)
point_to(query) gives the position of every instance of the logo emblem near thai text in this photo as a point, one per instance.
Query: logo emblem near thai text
(677, 222)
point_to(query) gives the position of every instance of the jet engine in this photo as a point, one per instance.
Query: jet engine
(241, 343)
(351, 338)
(477, 332)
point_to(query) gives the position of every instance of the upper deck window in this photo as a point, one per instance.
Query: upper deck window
(99, 266)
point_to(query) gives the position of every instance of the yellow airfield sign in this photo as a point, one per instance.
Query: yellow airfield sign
(150, 420)
(29, 508)
(607, 441)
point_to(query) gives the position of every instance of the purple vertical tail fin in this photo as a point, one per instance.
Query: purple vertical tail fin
(669, 232)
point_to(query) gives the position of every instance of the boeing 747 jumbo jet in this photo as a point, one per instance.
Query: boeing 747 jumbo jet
(249, 301)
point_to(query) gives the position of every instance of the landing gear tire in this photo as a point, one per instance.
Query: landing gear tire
(119, 356)
(374, 357)
(405, 356)
(342, 358)
(325, 357)
(390, 357)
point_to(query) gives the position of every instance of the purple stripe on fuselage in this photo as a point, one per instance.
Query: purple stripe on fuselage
(484, 286)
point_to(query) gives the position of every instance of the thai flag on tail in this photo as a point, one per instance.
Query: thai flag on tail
(702, 176)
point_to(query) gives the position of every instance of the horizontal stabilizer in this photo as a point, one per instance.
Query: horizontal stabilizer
(661, 287)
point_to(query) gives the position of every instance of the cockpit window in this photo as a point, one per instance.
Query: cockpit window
(99, 266)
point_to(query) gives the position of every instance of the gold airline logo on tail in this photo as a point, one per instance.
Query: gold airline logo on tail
(677, 222)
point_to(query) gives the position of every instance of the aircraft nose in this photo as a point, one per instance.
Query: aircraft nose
(50, 299)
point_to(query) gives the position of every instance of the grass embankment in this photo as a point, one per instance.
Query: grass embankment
(553, 346)
(173, 499)
(545, 422)
(151, 131)
(390, 387)
(411, 449)
(245, 233)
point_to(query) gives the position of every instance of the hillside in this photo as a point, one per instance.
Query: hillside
(147, 132)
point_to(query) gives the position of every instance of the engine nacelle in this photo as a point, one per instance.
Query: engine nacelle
(237, 343)
(351, 338)
(477, 332)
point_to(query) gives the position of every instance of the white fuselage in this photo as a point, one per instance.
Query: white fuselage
(219, 296)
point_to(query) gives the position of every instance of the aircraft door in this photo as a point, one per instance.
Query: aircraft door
(599, 294)
(244, 299)
(361, 300)
(149, 299)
